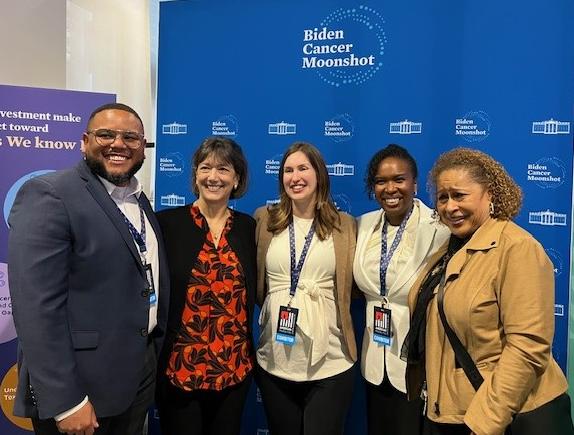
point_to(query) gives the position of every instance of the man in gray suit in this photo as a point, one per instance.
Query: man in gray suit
(89, 286)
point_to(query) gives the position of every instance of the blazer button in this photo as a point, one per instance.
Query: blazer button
(145, 293)
(143, 332)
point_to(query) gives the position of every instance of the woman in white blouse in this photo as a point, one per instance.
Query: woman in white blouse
(307, 346)
(393, 244)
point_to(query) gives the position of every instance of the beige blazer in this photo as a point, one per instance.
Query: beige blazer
(499, 300)
(344, 241)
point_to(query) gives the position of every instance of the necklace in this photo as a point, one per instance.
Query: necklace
(216, 227)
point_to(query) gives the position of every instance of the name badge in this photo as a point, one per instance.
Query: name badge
(286, 325)
(382, 326)
(150, 285)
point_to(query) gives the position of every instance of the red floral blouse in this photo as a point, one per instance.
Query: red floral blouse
(212, 350)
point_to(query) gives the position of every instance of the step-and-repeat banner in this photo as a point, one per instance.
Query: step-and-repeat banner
(354, 76)
(40, 131)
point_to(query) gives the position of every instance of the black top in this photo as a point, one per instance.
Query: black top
(183, 241)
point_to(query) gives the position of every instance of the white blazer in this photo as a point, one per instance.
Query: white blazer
(430, 235)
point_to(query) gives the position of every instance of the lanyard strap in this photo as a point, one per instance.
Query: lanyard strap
(296, 267)
(139, 237)
(386, 256)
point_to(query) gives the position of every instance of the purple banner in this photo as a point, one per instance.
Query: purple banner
(40, 131)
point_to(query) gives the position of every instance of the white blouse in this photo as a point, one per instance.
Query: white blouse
(318, 350)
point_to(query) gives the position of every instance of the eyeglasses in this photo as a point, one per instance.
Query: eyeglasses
(105, 137)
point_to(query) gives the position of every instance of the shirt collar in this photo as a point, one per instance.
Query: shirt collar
(134, 187)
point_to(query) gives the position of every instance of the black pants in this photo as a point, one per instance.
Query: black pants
(202, 412)
(131, 421)
(432, 428)
(306, 408)
(552, 418)
(390, 413)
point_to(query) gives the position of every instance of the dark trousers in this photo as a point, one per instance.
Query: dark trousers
(306, 408)
(202, 412)
(432, 428)
(390, 413)
(552, 418)
(131, 421)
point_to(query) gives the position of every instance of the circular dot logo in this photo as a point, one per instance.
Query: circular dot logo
(8, 386)
(11, 195)
(7, 329)
(348, 46)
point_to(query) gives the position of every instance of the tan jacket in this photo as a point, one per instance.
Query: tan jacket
(344, 241)
(499, 300)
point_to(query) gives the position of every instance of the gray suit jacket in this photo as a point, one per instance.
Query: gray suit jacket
(77, 287)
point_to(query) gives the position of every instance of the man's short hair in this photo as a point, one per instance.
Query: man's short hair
(114, 106)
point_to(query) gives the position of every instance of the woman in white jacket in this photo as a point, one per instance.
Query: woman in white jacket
(393, 244)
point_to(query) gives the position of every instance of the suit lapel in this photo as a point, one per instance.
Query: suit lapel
(423, 243)
(99, 193)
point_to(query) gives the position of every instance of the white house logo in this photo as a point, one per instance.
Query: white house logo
(174, 128)
(559, 310)
(406, 127)
(547, 173)
(282, 128)
(226, 125)
(557, 261)
(347, 47)
(340, 128)
(549, 218)
(550, 127)
(171, 164)
(172, 200)
(340, 169)
(342, 202)
(473, 127)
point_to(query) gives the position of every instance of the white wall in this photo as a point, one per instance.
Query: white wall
(86, 45)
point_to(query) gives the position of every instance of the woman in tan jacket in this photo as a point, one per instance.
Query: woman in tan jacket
(496, 285)
(306, 349)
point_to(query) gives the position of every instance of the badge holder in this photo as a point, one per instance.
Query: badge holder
(382, 326)
(286, 325)
(150, 285)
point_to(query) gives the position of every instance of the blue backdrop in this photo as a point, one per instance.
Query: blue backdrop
(351, 77)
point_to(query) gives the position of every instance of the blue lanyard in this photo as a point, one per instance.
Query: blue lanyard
(386, 256)
(296, 267)
(139, 238)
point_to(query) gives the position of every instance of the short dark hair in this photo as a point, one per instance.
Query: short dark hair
(391, 150)
(226, 150)
(114, 106)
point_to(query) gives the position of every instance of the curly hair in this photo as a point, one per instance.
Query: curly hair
(391, 150)
(506, 195)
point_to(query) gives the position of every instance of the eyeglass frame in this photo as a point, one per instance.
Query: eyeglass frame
(117, 133)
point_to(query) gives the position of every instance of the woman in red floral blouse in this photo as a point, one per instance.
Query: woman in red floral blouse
(206, 362)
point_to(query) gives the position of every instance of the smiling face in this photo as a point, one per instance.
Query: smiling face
(115, 162)
(394, 188)
(463, 205)
(215, 180)
(300, 179)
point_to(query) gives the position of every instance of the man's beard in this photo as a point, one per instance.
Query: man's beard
(98, 168)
